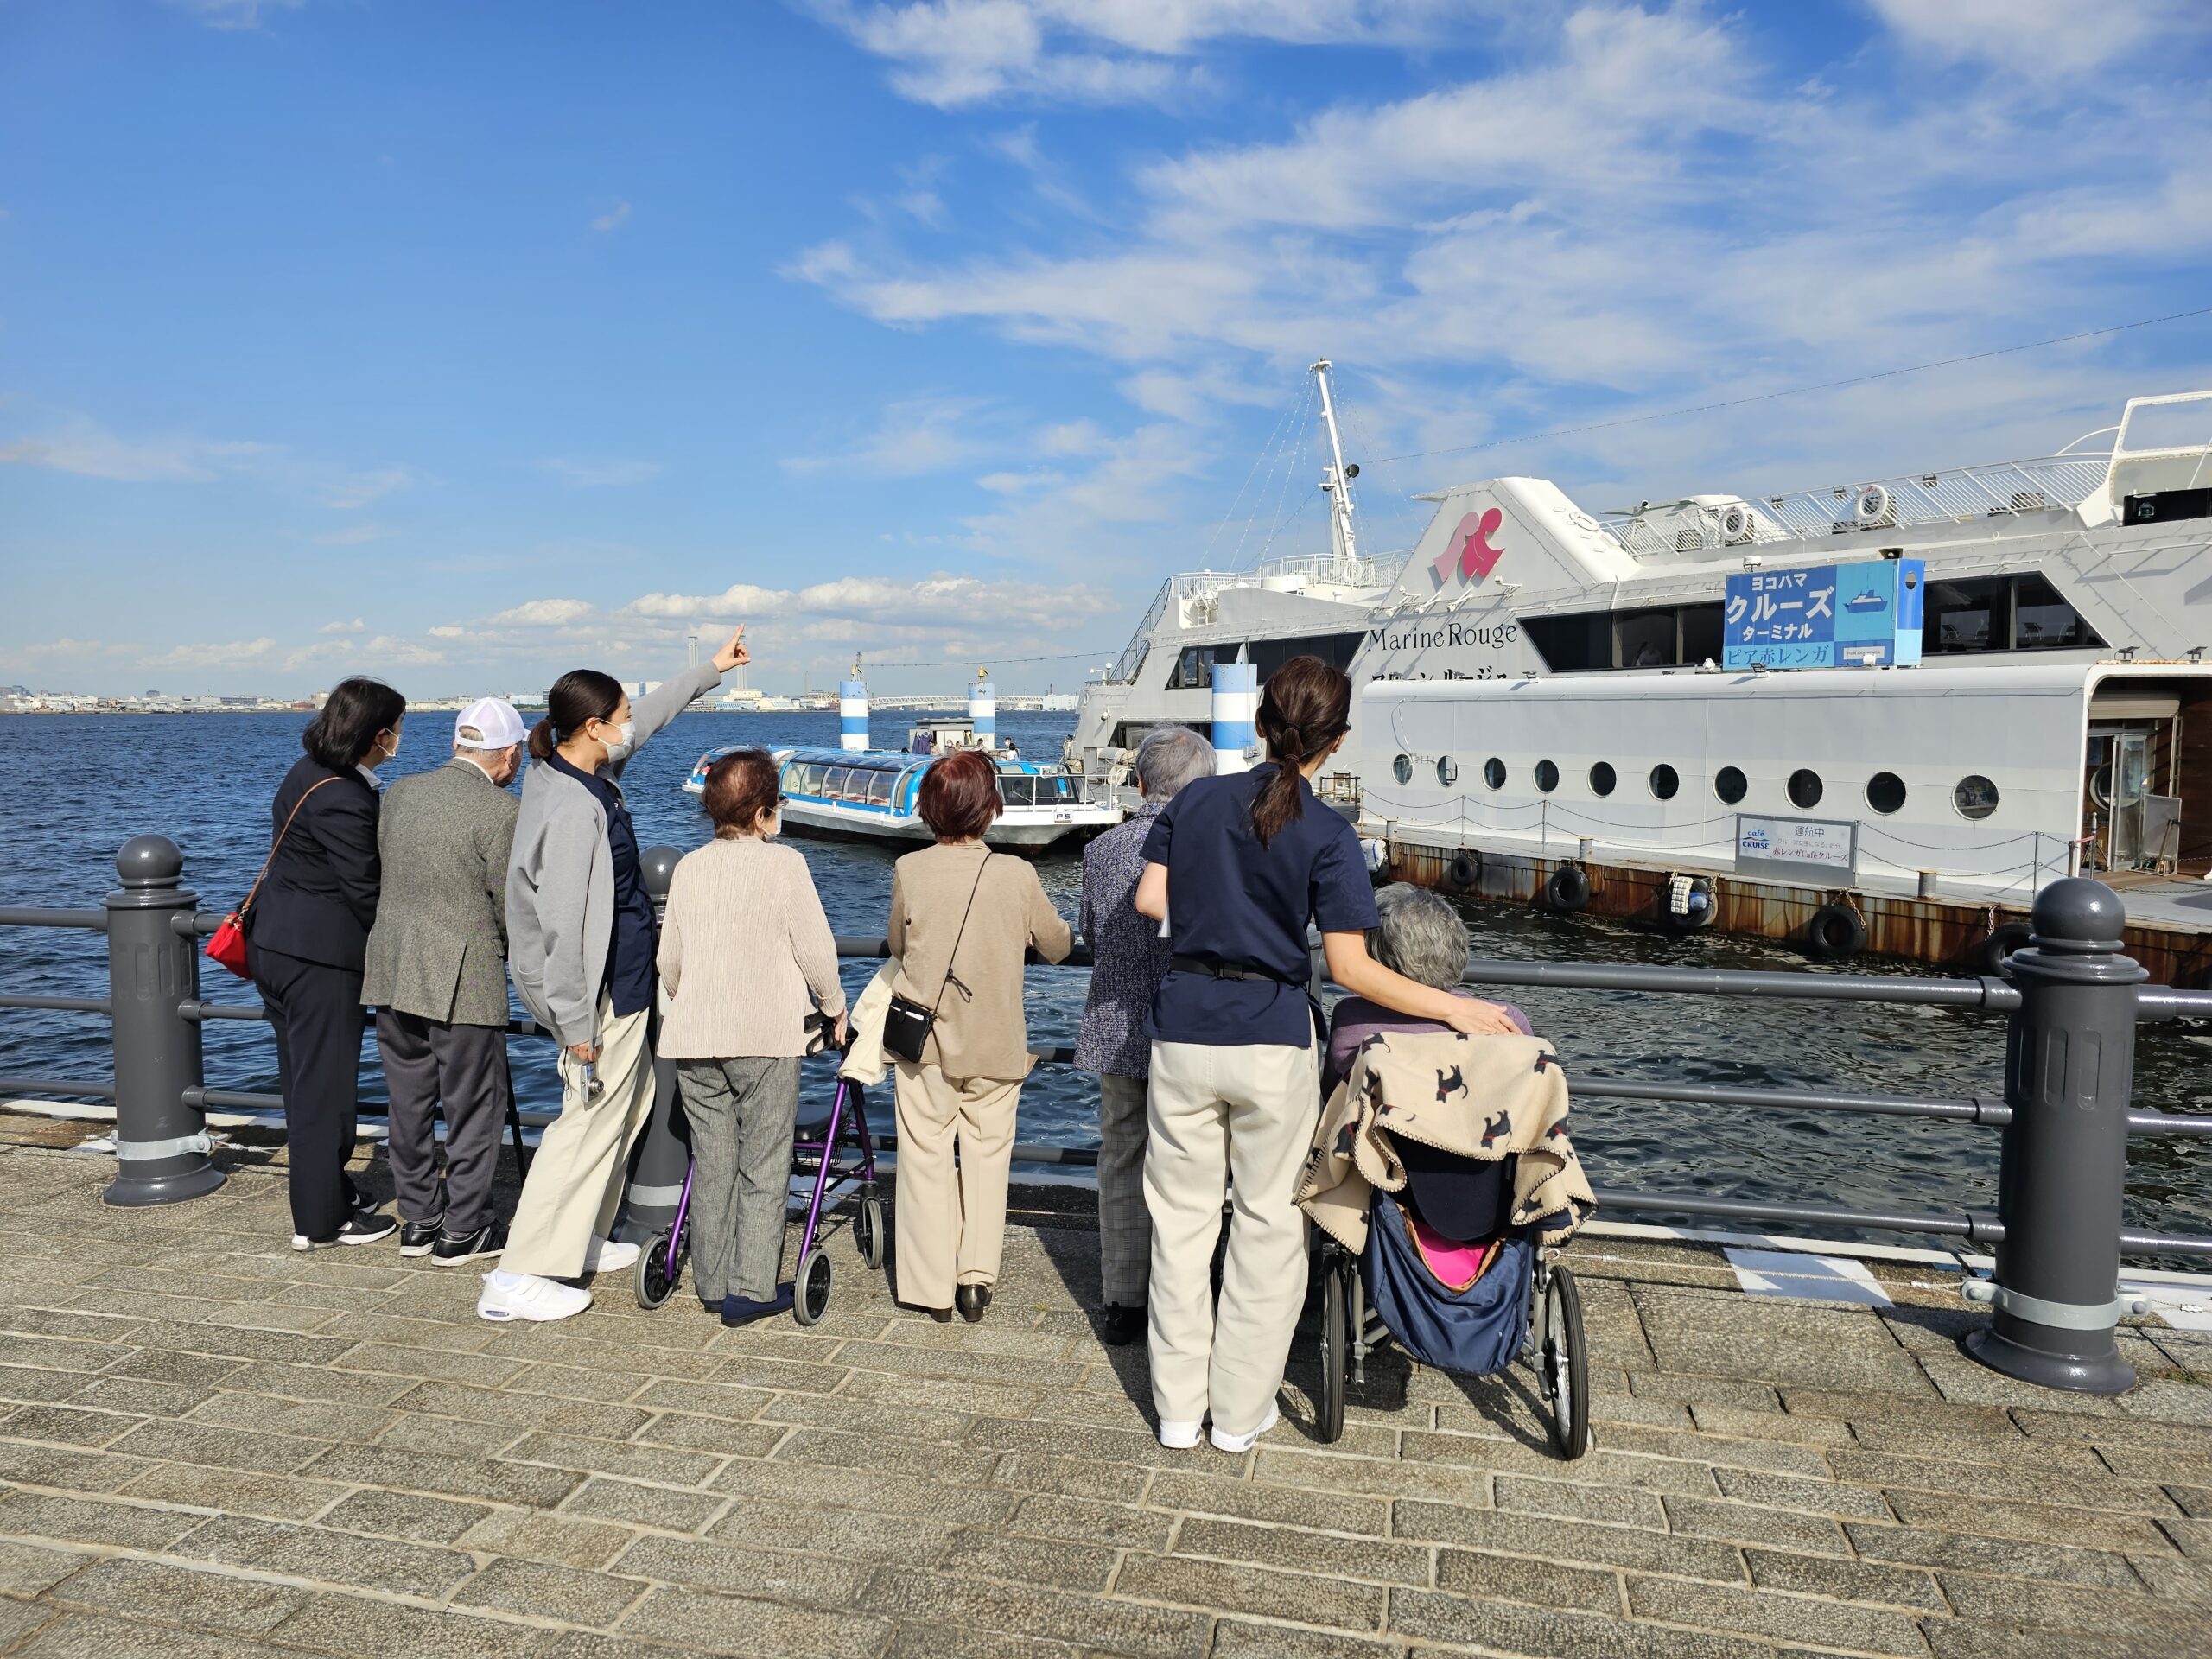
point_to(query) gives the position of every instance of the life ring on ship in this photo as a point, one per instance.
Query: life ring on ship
(1568, 890)
(1462, 871)
(2002, 942)
(1836, 932)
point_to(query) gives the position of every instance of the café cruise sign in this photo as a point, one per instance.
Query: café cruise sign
(1863, 615)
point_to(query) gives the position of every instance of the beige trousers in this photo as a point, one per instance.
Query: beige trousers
(1243, 1115)
(950, 1225)
(575, 1181)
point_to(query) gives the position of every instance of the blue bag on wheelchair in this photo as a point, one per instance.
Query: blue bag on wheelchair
(1478, 1330)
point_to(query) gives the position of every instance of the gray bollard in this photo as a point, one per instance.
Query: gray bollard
(2069, 1064)
(153, 966)
(663, 1152)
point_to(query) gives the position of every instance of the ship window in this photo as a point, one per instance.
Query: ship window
(878, 787)
(1194, 670)
(1976, 798)
(1701, 633)
(1572, 644)
(1546, 775)
(1729, 785)
(1402, 768)
(1643, 638)
(1665, 781)
(2044, 621)
(1663, 636)
(1804, 789)
(1337, 650)
(1494, 772)
(1885, 792)
(1601, 779)
(1448, 770)
(2021, 613)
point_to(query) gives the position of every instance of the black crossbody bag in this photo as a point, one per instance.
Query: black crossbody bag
(906, 1023)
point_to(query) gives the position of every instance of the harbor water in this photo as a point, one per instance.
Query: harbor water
(79, 786)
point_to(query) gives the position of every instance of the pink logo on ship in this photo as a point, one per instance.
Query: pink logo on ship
(1469, 550)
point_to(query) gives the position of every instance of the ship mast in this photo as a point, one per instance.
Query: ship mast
(1336, 480)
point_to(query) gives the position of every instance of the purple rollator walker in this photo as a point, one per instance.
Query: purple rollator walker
(660, 1264)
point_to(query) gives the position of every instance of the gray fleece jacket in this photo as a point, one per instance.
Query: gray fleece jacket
(561, 877)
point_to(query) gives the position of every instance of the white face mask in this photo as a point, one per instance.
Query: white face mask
(620, 748)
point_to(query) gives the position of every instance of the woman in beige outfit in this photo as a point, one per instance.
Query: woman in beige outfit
(962, 920)
(745, 954)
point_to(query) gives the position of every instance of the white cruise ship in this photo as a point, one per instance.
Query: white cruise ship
(1961, 683)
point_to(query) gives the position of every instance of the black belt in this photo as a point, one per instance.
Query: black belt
(1213, 968)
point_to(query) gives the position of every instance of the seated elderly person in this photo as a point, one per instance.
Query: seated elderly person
(1422, 937)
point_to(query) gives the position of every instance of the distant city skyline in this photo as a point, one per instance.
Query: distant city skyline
(464, 344)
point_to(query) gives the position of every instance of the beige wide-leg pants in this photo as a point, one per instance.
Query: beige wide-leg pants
(950, 1225)
(575, 1184)
(1243, 1115)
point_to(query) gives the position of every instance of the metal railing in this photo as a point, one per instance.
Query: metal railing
(2071, 999)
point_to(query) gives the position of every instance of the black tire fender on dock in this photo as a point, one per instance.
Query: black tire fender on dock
(1568, 890)
(2002, 942)
(1836, 932)
(1462, 871)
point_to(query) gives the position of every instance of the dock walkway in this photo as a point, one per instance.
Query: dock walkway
(215, 1448)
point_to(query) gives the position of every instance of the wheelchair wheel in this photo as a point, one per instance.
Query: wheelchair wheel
(871, 1230)
(1563, 1365)
(658, 1271)
(1336, 1346)
(811, 1299)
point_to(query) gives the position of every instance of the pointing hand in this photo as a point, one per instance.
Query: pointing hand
(734, 655)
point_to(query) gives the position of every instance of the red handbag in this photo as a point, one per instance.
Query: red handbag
(227, 943)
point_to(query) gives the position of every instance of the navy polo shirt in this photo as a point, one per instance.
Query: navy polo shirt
(629, 975)
(1234, 900)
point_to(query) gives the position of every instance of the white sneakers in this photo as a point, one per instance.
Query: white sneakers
(604, 1256)
(1234, 1443)
(527, 1296)
(1182, 1437)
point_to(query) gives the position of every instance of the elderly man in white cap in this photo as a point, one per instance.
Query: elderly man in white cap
(436, 976)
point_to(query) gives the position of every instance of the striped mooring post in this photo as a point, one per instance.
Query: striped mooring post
(852, 712)
(983, 710)
(1235, 708)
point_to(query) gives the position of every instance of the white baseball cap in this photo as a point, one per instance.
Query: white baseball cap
(494, 720)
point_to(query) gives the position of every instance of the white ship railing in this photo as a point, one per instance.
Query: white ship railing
(1369, 576)
(1959, 496)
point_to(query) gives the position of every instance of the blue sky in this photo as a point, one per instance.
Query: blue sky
(465, 344)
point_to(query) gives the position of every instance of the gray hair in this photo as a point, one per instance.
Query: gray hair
(1421, 936)
(1170, 757)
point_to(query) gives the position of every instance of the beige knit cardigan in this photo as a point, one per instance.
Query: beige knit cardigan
(746, 953)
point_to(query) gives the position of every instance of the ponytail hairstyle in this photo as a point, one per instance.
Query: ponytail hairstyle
(578, 697)
(1305, 707)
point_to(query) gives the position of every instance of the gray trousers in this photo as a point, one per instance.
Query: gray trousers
(1124, 1224)
(741, 1112)
(428, 1063)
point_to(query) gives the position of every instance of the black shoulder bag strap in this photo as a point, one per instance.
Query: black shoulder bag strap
(956, 937)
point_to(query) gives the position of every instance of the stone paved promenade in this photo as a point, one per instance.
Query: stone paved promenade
(220, 1447)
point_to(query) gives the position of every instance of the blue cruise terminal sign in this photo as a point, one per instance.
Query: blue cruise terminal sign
(1863, 615)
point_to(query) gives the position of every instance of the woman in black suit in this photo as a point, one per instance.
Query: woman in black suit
(306, 934)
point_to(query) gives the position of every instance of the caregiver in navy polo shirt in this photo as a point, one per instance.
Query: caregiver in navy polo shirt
(1238, 866)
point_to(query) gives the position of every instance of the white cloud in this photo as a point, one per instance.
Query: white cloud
(447, 631)
(544, 613)
(355, 626)
(400, 653)
(932, 601)
(614, 217)
(86, 448)
(234, 14)
(350, 491)
(598, 471)
(2043, 38)
(232, 654)
(915, 435)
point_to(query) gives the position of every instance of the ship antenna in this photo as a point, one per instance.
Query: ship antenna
(1338, 482)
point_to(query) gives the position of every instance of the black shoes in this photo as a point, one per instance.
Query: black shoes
(415, 1238)
(1122, 1325)
(971, 1300)
(449, 1251)
(942, 1315)
(362, 1227)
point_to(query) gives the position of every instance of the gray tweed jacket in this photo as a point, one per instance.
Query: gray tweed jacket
(439, 944)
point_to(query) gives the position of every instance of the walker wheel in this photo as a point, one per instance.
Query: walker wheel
(811, 1300)
(871, 1231)
(1336, 1347)
(655, 1277)
(1563, 1366)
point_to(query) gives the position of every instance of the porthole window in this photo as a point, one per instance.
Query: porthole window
(1804, 789)
(1546, 775)
(1730, 784)
(1402, 768)
(1976, 798)
(1885, 792)
(1601, 778)
(1665, 781)
(1448, 770)
(1494, 772)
